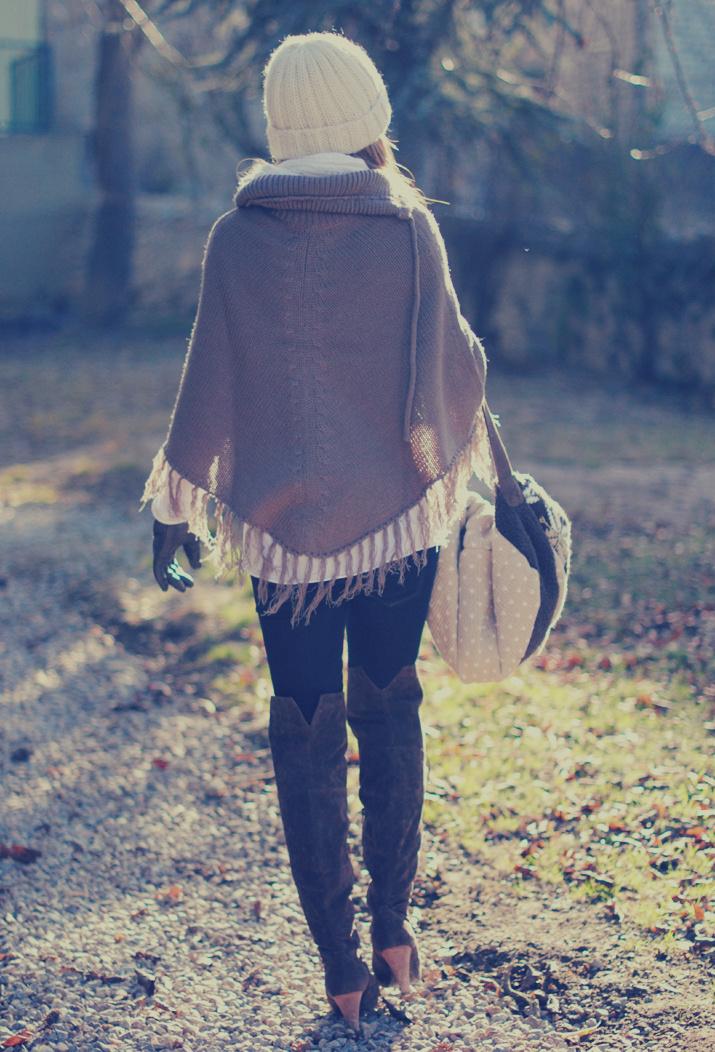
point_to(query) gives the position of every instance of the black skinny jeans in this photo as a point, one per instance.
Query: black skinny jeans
(383, 632)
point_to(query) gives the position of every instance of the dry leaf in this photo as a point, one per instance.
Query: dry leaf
(19, 853)
(20, 1038)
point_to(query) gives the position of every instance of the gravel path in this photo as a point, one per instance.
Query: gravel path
(159, 912)
(145, 897)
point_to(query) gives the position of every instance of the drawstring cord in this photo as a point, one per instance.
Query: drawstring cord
(413, 331)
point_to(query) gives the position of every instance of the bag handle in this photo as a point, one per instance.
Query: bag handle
(510, 488)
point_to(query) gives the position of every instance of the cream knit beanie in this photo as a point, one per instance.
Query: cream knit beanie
(322, 92)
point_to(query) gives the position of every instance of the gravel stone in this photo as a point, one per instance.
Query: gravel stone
(119, 834)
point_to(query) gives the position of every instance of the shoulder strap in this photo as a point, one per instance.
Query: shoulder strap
(510, 488)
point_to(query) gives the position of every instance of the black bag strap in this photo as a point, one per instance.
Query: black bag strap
(509, 487)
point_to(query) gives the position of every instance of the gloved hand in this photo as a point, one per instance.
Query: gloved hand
(167, 541)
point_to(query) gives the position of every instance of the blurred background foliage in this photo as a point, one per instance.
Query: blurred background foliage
(568, 139)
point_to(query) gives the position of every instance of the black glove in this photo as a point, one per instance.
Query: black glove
(167, 541)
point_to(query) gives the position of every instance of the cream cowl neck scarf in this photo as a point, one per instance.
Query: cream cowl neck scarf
(330, 385)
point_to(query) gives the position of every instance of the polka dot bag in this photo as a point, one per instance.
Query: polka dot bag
(502, 576)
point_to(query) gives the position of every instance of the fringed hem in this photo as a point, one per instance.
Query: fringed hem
(437, 511)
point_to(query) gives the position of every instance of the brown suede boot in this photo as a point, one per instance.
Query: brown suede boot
(386, 723)
(311, 777)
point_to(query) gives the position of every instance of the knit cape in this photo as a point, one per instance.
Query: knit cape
(331, 383)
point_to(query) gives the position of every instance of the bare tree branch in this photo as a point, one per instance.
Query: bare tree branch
(553, 74)
(703, 138)
(153, 34)
(479, 38)
(615, 63)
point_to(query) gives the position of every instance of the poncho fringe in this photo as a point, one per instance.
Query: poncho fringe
(437, 512)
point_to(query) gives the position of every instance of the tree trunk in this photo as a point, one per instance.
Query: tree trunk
(109, 266)
(645, 195)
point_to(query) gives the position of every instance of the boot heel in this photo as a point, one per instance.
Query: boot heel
(399, 965)
(350, 1005)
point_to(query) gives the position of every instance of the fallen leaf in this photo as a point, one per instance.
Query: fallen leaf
(525, 871)
(432, 975)
(19, 853)
(20, 1038)
(174, 893)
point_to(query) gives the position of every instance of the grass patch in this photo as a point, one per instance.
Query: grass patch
(594, 768)
(595, 422)
(644, 600)
(20, 486)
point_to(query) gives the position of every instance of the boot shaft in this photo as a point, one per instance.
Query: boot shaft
(310, 765)
(386, 723)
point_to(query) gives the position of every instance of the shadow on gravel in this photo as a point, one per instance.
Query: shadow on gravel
(541, 986)
(120, 486)
(147, 637)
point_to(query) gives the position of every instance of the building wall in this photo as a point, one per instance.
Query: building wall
(45, 187)
(43, 223)
(20, 19)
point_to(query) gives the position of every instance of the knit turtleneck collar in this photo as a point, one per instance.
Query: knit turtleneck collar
(363, 192)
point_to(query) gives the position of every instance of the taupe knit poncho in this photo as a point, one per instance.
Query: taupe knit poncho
(331, 381)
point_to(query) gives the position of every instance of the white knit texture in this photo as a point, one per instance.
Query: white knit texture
(335, 566)
(322, 92)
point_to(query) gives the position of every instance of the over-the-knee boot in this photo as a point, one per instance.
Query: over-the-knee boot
(311, 777)
(387, 726)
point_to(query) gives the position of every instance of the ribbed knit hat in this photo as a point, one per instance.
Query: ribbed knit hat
(322, 92)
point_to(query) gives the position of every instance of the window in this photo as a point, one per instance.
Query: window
(25, 69)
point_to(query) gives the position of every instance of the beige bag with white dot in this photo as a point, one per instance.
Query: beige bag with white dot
(502, 576)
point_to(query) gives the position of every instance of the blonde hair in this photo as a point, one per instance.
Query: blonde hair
(381, 154)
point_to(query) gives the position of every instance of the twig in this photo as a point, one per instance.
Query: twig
(153, 34)
(704, 140)
(395, 1012)
(553, 73)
